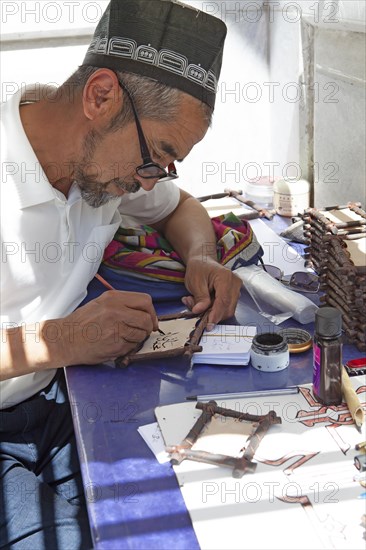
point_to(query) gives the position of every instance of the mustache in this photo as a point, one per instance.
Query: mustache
(100, 187)
(95, 194)
(97, 199)
(130, 187)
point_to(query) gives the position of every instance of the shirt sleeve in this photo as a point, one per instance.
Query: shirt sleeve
(149, 207)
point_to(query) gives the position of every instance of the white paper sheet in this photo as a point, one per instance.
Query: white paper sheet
(276, 250)
(153, 438)
(225, 345)
(176, 334)
(310, 456)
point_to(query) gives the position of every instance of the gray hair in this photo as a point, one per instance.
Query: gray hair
(151, 98)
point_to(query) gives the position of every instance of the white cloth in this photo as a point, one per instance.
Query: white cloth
(273, 299)
(51, 247)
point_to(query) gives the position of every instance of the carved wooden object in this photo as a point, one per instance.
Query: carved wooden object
(337, 251)
(240, 465)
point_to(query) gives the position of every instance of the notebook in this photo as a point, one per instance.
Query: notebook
(226, 345)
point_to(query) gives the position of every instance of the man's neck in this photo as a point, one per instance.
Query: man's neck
(51, 130)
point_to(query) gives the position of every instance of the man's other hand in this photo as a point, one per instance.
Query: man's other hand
(211, 284)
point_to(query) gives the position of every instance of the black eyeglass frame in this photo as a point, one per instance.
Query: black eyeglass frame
(147, 162)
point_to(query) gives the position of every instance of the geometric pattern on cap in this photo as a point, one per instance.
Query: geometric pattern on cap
(164, 59)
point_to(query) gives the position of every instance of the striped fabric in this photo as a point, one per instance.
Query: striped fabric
(143, 250)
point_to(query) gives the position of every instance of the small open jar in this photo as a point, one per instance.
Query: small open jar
(269, 352)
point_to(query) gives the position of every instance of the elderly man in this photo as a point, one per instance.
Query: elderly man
(77, 161)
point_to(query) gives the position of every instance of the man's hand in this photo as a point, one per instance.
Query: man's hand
(189, 230)
(103, 329)
(107, 327)
(211, 284)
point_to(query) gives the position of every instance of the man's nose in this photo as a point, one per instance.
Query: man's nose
(147, 184)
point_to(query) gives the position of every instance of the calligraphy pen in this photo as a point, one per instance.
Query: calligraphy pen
(110, 287)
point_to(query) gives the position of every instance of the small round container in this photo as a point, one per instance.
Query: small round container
(291, 197)
(259, 191)
(298, 339)
(269, 352)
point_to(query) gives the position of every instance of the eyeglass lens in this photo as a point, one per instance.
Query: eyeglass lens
(300, 280)
(273, 271)
(305, 281)
(149, 169)
(152, 171)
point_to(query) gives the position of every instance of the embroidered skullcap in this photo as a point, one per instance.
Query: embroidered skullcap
(165, 40)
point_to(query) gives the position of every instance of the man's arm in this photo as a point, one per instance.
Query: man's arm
(189, 230)
(109, 326)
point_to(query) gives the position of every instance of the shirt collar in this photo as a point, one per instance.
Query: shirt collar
(19, 159)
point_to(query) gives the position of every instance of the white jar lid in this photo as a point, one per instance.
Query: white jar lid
(259, 190)
(291, 186)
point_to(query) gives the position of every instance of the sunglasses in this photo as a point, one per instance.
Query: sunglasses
(148, 169)
(300, 280)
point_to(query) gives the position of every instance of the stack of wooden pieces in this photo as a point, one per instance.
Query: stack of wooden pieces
(336, 239)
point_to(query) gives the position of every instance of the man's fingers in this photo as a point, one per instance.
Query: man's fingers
(132, 308)
(131, 334)
(196, 306)
(220, 310)
(188, 301)
(138, 301)
(111, 325)
(201, 305)
(226, 298)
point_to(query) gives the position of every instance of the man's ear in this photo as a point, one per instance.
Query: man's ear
(102, 97)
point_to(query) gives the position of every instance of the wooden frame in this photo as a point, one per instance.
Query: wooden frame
(187, 350)
(240, 465)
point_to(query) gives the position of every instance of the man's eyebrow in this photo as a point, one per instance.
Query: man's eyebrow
(169, 150)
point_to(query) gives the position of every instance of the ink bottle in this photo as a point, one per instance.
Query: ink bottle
(269, 352)
(327, 356)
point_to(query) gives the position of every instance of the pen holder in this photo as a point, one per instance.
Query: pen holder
(269, 352)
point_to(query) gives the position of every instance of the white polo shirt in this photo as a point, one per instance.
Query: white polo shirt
(51, 247)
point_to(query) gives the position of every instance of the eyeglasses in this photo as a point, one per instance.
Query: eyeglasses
(148, 169)
(300, 280)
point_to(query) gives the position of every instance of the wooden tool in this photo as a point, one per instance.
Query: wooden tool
(263, 212)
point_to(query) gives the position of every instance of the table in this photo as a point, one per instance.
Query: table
(133, 501)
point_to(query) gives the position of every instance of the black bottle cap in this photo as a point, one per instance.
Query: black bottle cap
(328, 322)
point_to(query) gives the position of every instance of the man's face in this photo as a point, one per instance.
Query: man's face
(94, 191)
(107, 169)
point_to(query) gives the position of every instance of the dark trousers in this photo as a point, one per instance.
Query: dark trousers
(42, 504)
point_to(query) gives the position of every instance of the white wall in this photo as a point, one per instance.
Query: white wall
(44, 65)
(261, 125)
(321, 134)
(339, 119)
(284, 61)
(238, 144)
